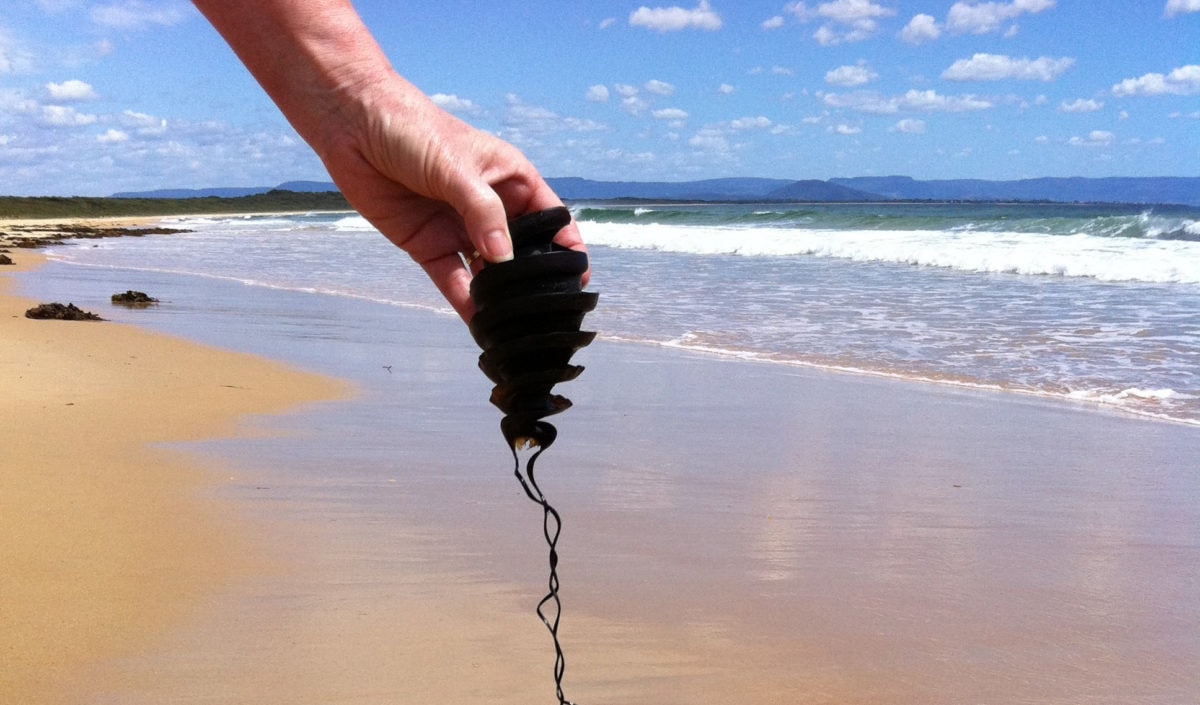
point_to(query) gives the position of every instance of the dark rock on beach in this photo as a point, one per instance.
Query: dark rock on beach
(134, 298)
(5, 259)
(59, 312)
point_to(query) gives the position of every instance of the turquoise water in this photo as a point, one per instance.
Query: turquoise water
(1088, 304)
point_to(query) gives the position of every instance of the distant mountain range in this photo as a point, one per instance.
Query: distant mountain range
(1180, 190)
(231, 191)
(1148, 190)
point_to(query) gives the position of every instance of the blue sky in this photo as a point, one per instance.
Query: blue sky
(111, 95)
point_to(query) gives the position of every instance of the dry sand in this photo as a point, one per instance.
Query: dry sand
(107, 539)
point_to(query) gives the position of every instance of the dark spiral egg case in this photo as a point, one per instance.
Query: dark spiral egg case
(528, 313)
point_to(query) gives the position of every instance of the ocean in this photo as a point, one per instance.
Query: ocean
(1086, 304)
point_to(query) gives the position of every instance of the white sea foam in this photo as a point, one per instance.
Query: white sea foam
(1079, 255)
(355, 223)
(1132, 393)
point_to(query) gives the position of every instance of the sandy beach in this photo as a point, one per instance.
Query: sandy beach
(109, 538)
(734, 532)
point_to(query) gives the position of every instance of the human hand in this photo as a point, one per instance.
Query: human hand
(435, 186)
(428, 181)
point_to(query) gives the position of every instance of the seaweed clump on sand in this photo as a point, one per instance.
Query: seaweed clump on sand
(528, 313)
(134, 299)
(59, 312)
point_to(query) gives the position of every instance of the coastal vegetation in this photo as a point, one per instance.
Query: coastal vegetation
(96, 207)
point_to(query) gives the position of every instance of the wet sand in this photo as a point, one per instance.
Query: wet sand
(733, 533)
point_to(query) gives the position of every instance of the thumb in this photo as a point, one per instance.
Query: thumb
(485, 219)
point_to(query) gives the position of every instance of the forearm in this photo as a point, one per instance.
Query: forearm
(314, 58)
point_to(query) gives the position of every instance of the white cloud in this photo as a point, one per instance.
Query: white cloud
(607, 22)
(1181, 7)
(65, 116)
(87, 157)
(452, 103)
(143, 124)
(597, 94)
(927, 101)
(969, 17)
(674, 19)
(851, 75)
(1184, 80)
(861, 101)
(800, 11)
(670, 114)
(931, 101)
(659, 87)
(772, 23)
(720, 140)
(1095, 138)
(750, 123)
(782, 71)
(909, 126)
(631, 101)
(1081, 105)
(845, 20)
(725, 89)
(530, 120)
(132, 117)
(843, 129)
(112, 136)
(710, 139)
(70, 91)
(139, 14)
(528, 127)
(998, 67)
(921, 28)
(635, 105)
(13, 57)
(826, 37)
(852, 11)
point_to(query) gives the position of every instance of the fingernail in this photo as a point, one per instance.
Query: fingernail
(498, 246)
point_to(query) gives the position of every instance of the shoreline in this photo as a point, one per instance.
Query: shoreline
(1097, 405)
(111, 539)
